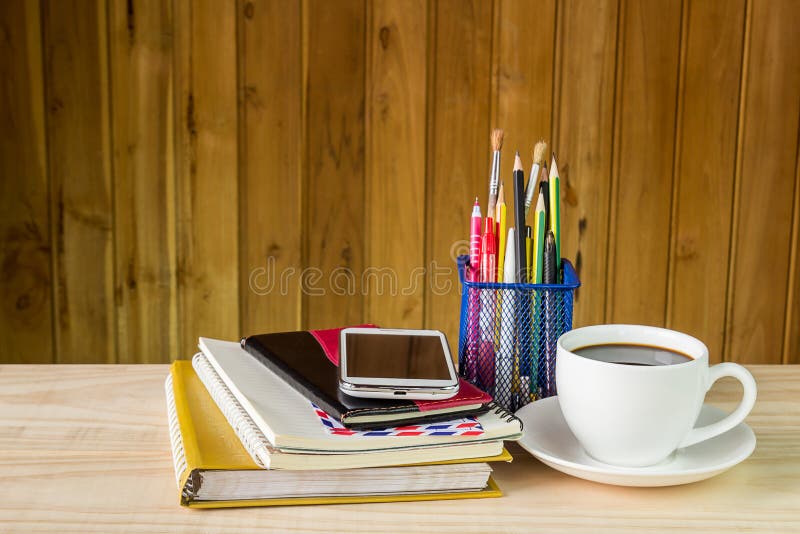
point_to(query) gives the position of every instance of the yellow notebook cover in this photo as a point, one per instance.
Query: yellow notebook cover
(213, 445)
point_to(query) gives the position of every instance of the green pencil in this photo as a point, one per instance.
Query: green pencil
(555, 213)
(539, 226)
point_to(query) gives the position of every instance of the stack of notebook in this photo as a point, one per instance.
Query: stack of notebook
(261, 422)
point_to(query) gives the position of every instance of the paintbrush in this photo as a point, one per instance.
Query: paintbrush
(494, 174)
(538, 159)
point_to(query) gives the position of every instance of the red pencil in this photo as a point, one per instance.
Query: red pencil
(489, 253)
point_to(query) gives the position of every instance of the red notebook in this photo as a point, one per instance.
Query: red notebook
(308, 362)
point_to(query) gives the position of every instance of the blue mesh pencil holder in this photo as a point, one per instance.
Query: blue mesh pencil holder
(507, 340)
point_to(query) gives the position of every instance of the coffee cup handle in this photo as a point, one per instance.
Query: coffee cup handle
(716, 372)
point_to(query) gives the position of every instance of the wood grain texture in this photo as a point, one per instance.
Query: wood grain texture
(647, 84)
(141, 52)
(207, 173)
(335, 211)
(583, 133)
(81, 188)
(26, 322)
(459, 149)
(69, 437)
(188, 160)
(791, 338)
(703, 195)
(270, 157)
(394, 281)
(522, 89)
(766, 182)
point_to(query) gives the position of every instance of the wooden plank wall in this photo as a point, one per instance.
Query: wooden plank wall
(193, 167)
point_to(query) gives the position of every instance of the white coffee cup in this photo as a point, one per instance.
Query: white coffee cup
(635, 416)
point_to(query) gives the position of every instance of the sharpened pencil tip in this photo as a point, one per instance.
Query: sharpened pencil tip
(553, 167)
(517, 163)
(540, 202)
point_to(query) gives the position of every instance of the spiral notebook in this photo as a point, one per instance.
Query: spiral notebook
(213, 469)
(290, 422)
(269, 457)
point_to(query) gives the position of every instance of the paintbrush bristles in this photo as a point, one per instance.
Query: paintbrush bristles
(538, 151)
(517, 163)
(497, 139)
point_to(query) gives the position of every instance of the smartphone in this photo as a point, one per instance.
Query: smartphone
(385, 363)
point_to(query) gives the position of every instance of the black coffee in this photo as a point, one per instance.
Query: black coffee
(630, 354)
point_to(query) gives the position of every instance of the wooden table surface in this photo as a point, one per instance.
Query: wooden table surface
(85, 448)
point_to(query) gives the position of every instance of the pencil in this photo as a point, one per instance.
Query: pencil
(519, 215)
(529, 251)
(539, 224)
(501, 232)
(538, 159)
(494, 175)
(510, 276)
(555, 213)
(544, 190)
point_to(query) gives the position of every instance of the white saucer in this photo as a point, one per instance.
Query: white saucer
(547, 437)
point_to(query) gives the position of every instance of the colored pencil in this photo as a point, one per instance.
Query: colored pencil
(501, 232)
(519, 215)
(539, 224)
(555, 213)
(544, 190)
(529, 251)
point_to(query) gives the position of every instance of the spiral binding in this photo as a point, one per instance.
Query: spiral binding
(178, 452)
(504, 413)
(248, 433)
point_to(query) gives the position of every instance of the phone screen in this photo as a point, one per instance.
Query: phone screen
(396, 356)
